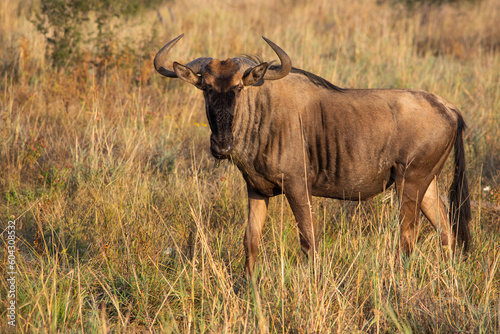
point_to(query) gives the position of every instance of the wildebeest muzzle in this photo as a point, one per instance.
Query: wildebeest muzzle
(220, 114)
(221, 150)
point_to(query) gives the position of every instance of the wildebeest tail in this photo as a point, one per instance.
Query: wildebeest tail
(460, 212)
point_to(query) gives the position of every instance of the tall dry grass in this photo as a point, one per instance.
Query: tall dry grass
(125, 224)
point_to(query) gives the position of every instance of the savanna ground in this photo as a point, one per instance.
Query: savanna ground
(124, 223)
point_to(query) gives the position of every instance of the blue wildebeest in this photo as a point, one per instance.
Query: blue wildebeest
(291, 132)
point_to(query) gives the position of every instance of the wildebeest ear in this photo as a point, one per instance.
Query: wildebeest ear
(186, 74)
(255, 75)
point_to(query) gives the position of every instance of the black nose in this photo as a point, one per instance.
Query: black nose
(221, 151)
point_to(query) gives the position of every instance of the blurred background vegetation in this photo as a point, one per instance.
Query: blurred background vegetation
(123, 222)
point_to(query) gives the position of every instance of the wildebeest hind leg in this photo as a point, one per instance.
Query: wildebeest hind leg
(257, 208)
(410, 198)
(435, 210)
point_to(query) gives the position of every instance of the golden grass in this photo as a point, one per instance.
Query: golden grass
(124, 223)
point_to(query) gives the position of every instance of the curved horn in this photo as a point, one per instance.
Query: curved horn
(198, 65)
(161, 66)
(160, 59)
(286, 63)
(244, 63)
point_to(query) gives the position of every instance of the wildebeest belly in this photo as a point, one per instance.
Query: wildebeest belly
(353, 161)
(359, 184)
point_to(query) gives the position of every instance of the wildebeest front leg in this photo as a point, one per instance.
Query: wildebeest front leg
(257, 208)
(301, 204)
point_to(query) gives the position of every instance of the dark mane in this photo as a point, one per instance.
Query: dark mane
(317, 80)
(257, 59)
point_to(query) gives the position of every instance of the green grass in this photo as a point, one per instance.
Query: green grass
(124, 223)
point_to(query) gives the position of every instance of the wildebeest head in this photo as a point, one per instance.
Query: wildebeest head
(221, 83)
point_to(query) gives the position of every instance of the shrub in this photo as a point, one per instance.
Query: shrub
(61, 22)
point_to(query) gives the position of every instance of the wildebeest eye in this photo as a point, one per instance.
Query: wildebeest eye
(238, 88)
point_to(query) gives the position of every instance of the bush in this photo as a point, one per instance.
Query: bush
(61, 22)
